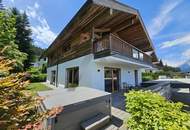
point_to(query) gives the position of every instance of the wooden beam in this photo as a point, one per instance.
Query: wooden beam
(102, 30)
(112, 19)
(125, 24)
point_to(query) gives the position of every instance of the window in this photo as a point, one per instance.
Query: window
(135, 54)
(73, 77)
(141, 56)
(53, 77)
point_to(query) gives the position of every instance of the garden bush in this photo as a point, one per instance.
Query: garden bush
(38, 78)
(36, 75)
(150, 111)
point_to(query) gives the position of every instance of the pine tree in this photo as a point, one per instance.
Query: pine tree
(23, 36)
(7, 40)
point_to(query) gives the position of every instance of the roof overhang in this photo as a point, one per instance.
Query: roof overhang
(97, 8)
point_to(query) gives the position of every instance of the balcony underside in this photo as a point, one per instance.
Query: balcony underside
(108, 57)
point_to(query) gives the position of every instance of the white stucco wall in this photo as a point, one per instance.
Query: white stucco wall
(91, 74)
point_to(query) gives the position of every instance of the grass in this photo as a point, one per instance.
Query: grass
(35, 87)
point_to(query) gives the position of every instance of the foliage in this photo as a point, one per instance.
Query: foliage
(147, 76)
(17, 107)
(150, 111)
(34, 87)
(23, 36)
(7, 38)
(37, 87)
(37, 50)
(44, 68)
(38, 78)
(36, 74)
(170, 68)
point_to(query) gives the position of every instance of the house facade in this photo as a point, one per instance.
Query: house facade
(105, 46)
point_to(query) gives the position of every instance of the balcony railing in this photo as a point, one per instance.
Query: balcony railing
(114, 44)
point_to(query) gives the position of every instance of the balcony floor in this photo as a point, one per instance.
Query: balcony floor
(119, 59)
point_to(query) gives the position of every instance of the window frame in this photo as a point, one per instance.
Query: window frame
(53, 77)
(71, 71)
(141, 56)
(135, 53)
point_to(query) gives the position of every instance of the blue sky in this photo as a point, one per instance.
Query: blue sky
(166, 20)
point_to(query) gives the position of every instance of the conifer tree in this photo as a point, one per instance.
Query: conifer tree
(23, 36)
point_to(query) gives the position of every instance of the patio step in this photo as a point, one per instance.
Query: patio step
(110, 127)
(96, 122)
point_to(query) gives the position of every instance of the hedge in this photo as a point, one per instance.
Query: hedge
(150, 111)
(38, 78)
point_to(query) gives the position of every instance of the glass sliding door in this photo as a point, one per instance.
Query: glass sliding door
(112, 79)
(73, 77)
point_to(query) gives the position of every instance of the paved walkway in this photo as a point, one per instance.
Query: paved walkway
(118, 100)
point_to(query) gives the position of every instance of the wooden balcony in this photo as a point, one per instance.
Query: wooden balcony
(111, 44)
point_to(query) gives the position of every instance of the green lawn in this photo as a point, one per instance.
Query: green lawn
(34, 87)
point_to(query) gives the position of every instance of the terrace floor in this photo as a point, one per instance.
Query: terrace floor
(119, 115)
(118, 100)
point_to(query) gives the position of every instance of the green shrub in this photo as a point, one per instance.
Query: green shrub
(147, 76)
(36, 75)
(38, 78)
(150, 111)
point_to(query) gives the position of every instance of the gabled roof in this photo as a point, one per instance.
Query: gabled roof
(112, 4)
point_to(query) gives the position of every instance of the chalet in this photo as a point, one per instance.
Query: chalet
(105, 46)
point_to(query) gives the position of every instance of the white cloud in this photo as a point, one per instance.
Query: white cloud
(179, 41)
(163, 18)
(43, 33)
(12, 1)
(36, 5)
(31, 11)
(186, 53)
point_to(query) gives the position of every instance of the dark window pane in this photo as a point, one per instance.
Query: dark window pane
(73, 77)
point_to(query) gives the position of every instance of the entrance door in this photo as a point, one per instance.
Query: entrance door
(136, 77)
(112, 79)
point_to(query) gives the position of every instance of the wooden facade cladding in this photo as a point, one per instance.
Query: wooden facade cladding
(77, 38)
(111, 44)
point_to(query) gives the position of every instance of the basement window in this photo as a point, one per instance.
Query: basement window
(72, 77)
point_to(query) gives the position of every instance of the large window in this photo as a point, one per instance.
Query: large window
(141, 56)
(53, 77)
(73, 77)
(135, 54)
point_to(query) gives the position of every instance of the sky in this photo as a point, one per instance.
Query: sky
(167, 21)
